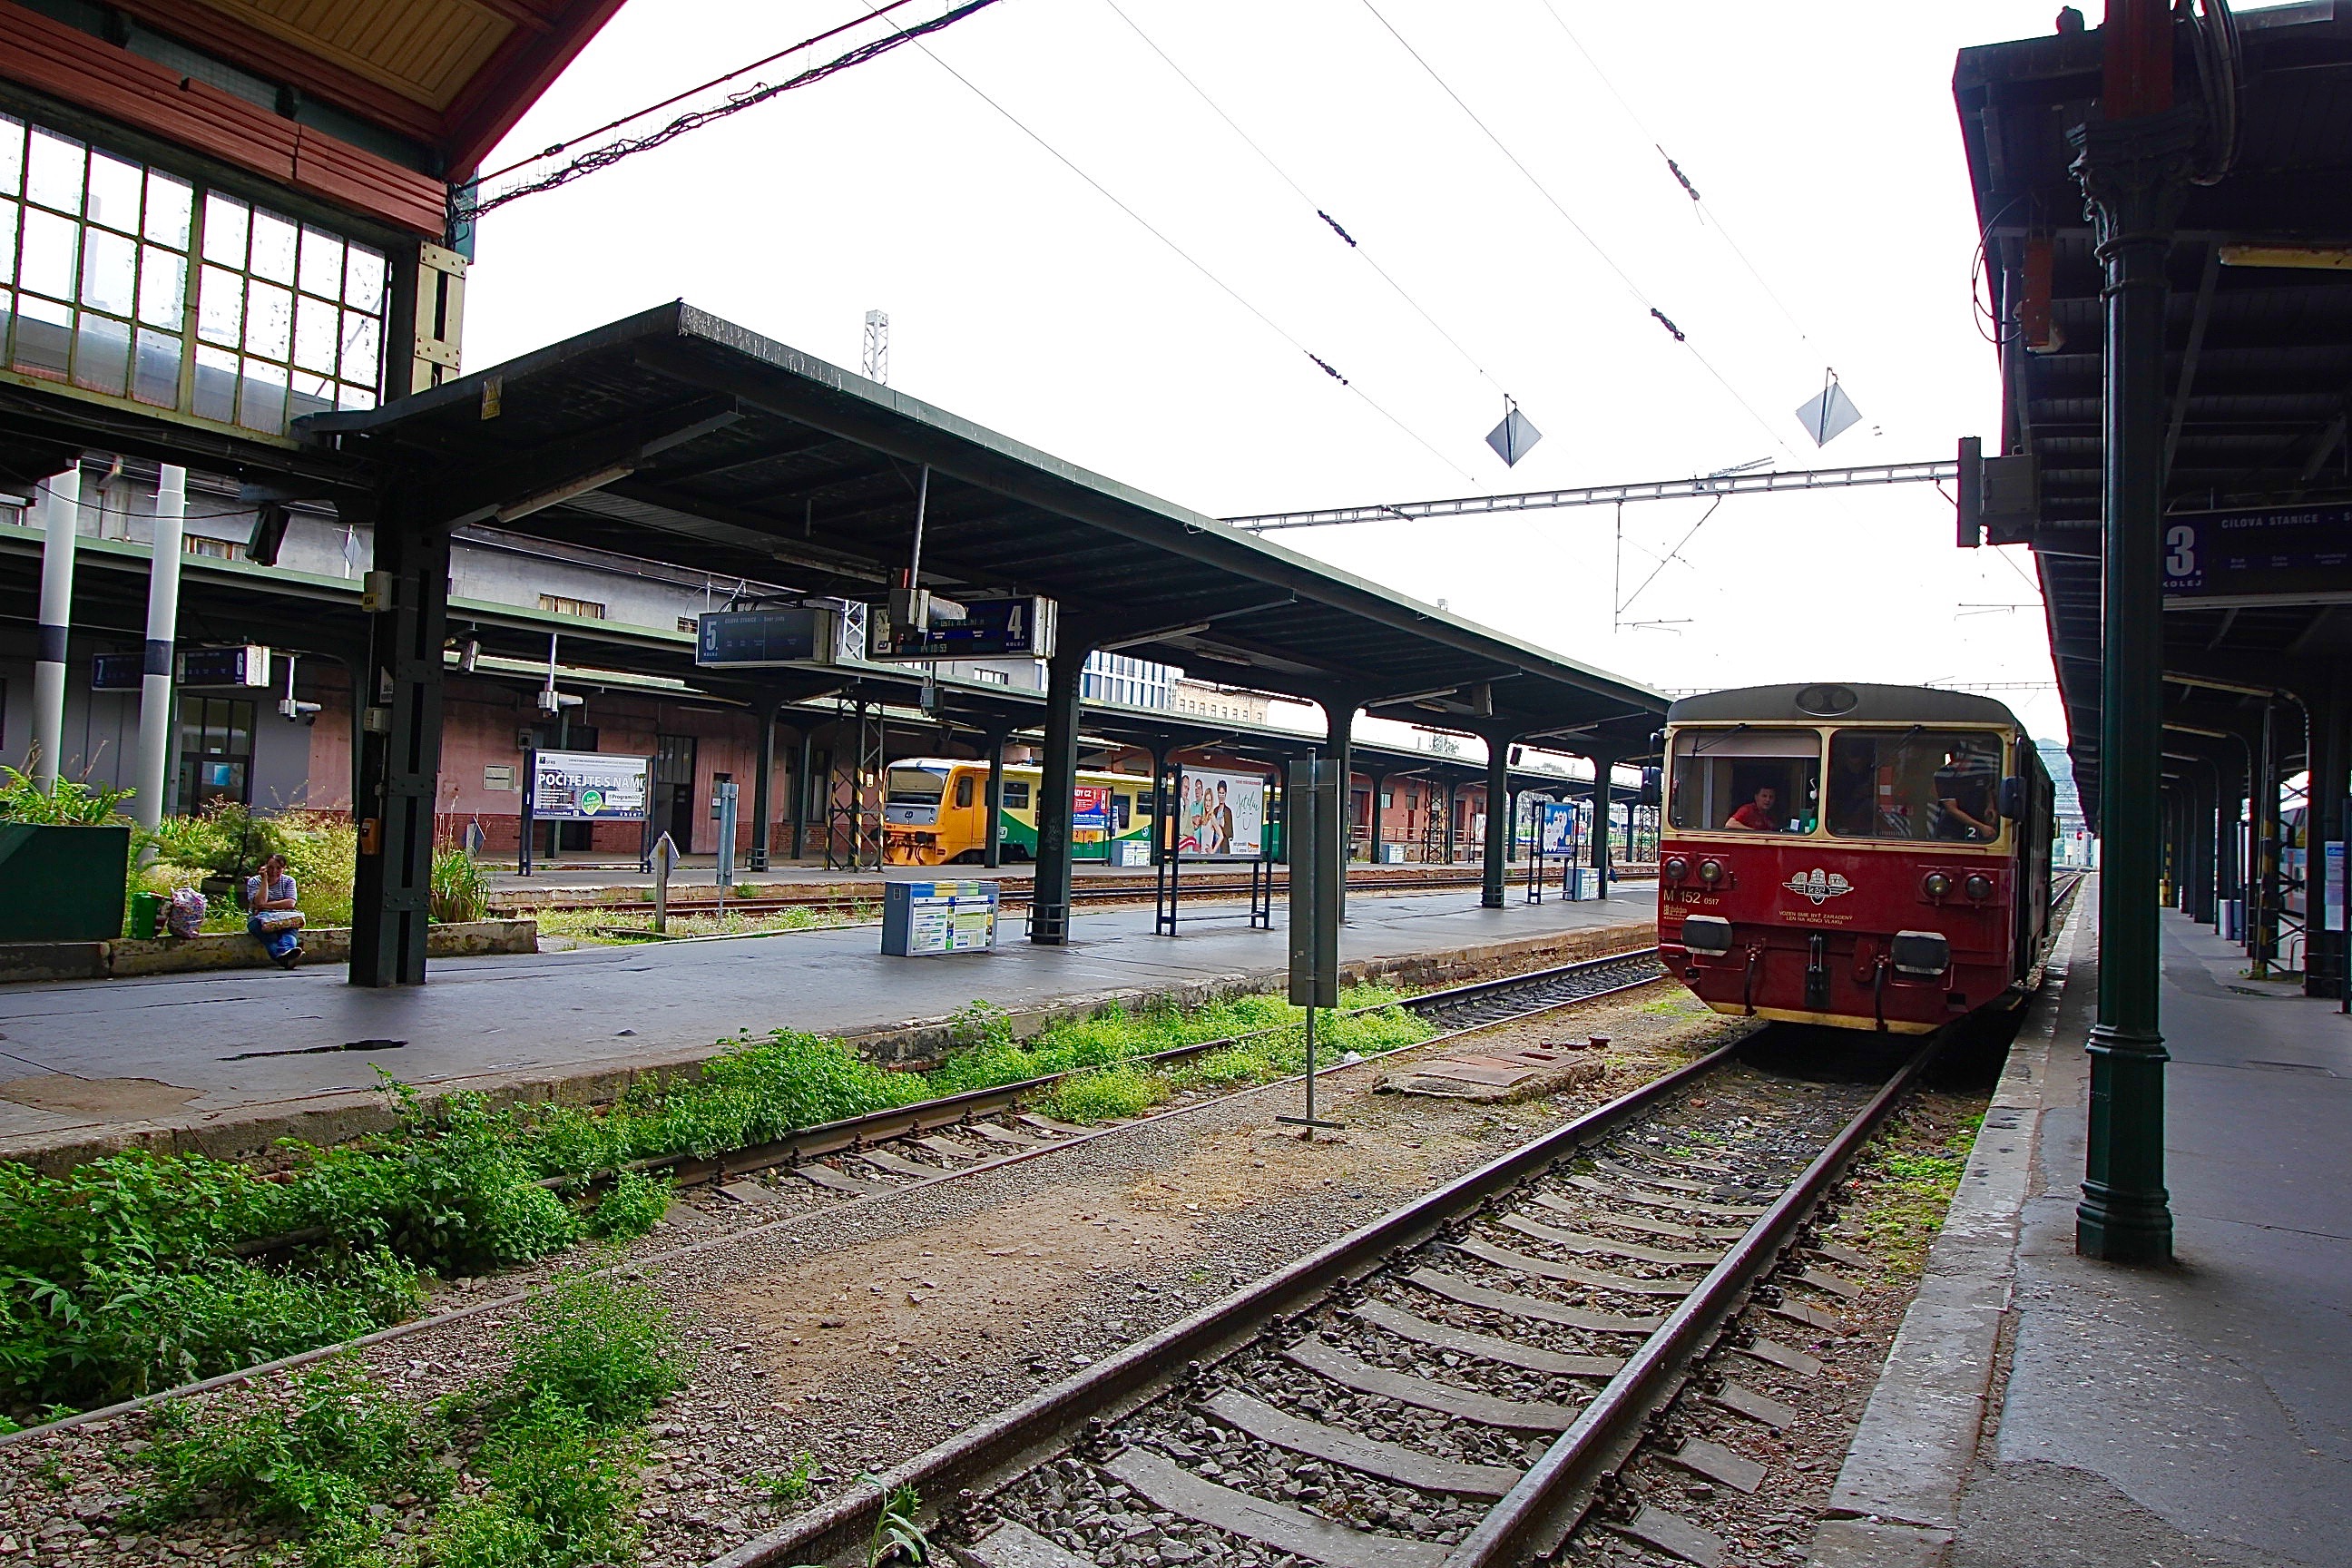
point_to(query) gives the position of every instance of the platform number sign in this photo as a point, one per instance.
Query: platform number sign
(2180, 551)
(2300, 555)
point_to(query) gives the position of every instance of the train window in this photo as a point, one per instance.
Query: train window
(963, 792)
(1919, 784)
(1722, 775)
(915, 786)
(1016, 794)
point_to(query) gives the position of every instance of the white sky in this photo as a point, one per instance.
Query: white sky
(1822, 136)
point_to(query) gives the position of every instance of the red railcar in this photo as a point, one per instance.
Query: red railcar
(1867, 857)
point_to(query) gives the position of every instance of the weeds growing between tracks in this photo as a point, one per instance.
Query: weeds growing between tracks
(130, 1274)
(536, 1468)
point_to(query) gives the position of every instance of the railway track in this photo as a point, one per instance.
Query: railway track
(1015, 891)
(865, 1155)
(1454, 1385)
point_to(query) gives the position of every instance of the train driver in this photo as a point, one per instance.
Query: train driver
(1762, 814)
(1964, 797)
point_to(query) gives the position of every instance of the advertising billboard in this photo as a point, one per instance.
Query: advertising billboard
(1220, 816)
(586, 786)
(1556, 827)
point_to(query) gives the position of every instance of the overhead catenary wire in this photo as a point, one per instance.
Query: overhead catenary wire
(1300, 191)
(1182, 254)
(1598, 250)
(1698, 203)
(578, 137)
(463, 209)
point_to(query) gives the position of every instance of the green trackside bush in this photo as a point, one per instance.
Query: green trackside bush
(559, 1491)
(122, 1274)
(631, 1207)
(599, 1345)
(314, 1459)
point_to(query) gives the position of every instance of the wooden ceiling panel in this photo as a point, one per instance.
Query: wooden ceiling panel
(425, 50)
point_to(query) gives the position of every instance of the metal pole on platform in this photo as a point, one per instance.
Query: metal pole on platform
(163, 636)
(2134, 162)
(62, 513)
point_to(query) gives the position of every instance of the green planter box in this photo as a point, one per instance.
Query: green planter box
(65, 884)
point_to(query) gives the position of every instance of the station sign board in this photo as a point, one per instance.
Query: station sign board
(2267, 555)
(924, 919)
(1020, 627)
(117, 671)
(586, 786)
(224, 668)
(751, 640)
(1220, 815)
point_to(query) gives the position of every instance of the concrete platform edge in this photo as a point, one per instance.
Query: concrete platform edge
(341, 1116)
(1895, 1503)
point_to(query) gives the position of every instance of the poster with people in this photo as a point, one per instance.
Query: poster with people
(1557, 827)
(1220, 816)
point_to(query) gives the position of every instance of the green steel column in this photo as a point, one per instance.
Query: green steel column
(1049, 903)
(399, 710)
(763, 787)
(993, 801)
(1339, 728)
(2134, 172)
(1498, 820)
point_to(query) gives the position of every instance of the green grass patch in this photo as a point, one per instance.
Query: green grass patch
(124, 1276)
(552, 1448)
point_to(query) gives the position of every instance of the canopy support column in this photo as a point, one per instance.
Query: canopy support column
(399, 707)
(2134, 163)
(1049, 905)
(61, 515)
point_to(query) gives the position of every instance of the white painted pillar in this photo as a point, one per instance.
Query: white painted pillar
(62, 499)
(163, 636)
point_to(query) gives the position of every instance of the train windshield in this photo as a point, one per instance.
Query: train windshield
(916, 786)
(1940, 785)
(1746, 779)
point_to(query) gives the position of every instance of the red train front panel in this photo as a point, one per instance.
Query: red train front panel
(1810, 929)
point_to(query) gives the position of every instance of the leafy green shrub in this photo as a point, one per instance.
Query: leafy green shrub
(225, 838)
(1106, 1094)
(559, 1491)
(632, 1205)
(67, 802)
(598, 1344)
(454, 1190)
(459, 892)
(322, 851)
(315, 1459)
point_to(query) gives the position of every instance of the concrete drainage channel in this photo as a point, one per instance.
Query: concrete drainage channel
(1302, 1416)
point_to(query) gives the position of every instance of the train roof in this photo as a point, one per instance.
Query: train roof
(1844, 702)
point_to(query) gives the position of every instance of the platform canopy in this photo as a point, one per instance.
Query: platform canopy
(678, 436)
(2258, 364)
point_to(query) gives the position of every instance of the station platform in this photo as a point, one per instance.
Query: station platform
(2042, 1409)
(228, 1061)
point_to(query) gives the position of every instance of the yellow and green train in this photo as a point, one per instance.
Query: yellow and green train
(936, 813)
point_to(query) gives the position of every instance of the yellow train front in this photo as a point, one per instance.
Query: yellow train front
(1866, 857)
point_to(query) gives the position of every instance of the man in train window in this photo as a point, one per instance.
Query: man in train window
(1762, 814)
(1964, 796)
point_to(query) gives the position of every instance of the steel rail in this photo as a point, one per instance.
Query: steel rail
(1014, 1440)
(1538, 1514)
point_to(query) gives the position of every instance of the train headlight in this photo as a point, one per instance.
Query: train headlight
(1710, 872)
(1979, 887)
(1675, 867)
(1936, 885)
(1707, 935)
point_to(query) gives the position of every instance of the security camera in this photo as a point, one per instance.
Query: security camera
(295, 713)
